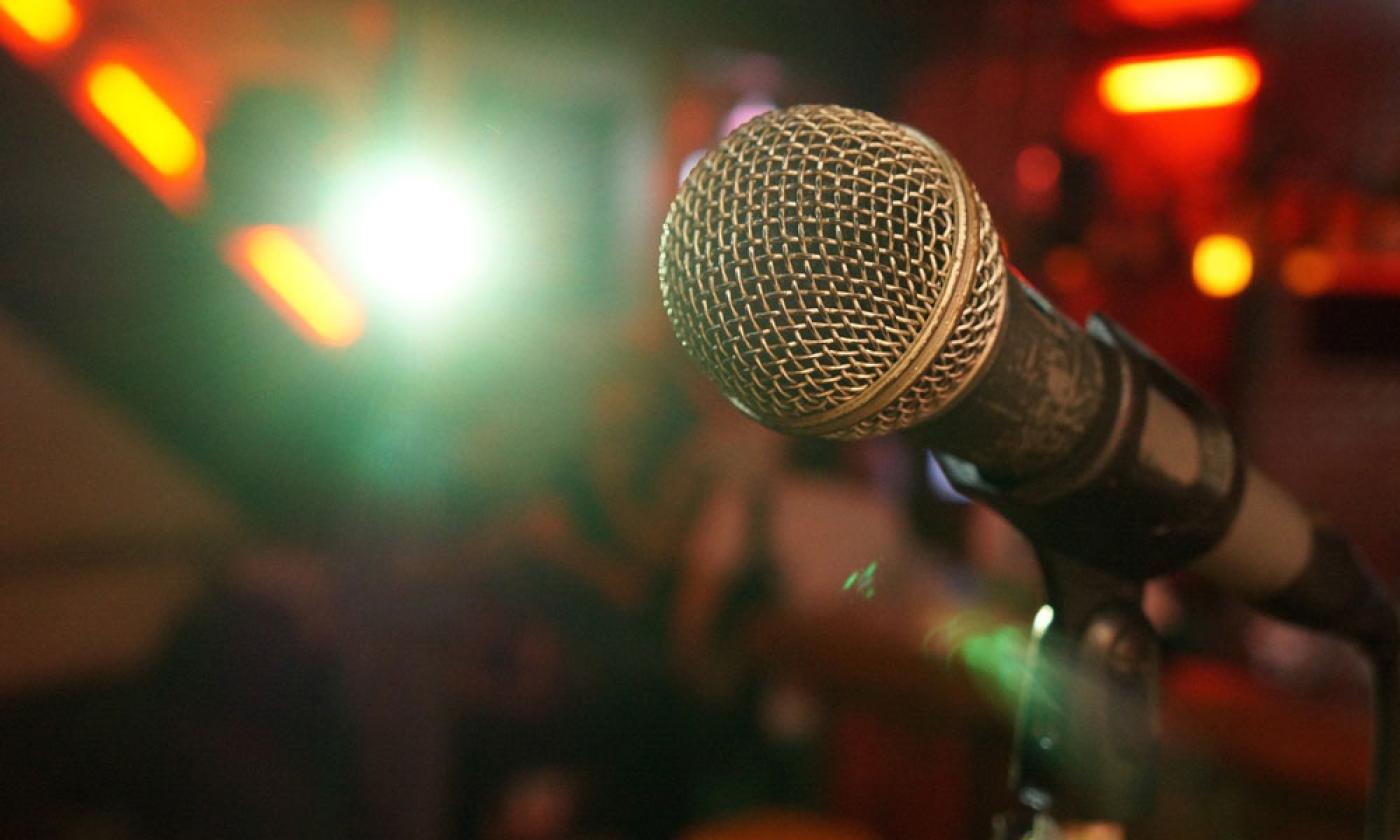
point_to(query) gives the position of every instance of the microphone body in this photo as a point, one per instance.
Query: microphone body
(836, 274)
(1153, 482)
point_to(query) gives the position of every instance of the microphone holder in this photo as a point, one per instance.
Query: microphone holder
(1086, 731)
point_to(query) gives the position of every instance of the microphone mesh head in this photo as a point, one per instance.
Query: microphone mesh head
(833, 272)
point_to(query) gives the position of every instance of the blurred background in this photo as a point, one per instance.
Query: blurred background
(352, 484)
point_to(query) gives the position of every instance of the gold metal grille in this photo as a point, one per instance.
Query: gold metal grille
(834, 273)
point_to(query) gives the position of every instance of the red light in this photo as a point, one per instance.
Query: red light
(1037, 168)
(1068, 270)
(1179, 82)
(1163, 13)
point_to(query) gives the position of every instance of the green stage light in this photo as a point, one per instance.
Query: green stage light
(412, 235)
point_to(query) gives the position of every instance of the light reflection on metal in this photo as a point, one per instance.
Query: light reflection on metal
(1044, 617)
(938, 482)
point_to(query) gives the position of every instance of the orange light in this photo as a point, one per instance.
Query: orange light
(1161, 13)
(48, 23)
(289, 276)
(1308, 272)
(1180, 82)
(1222, 265)
(144, 120)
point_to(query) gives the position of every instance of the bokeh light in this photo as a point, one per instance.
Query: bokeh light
(412, 234)
(281, 269)
(48, 23)
(129, 104)
(1037, 168)
(1162, 13)
(1222, 265)
(1179, 82)
(1308, 272)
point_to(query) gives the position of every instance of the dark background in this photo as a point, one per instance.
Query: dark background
(521, 573)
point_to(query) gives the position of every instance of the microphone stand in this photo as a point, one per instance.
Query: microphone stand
(1086, 730)
(1086, 733)
(1086, 741)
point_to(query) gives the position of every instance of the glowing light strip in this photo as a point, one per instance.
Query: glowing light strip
(1166, 12)
(1174, 83)
(144, 120)
(48, 23)
(280, 268)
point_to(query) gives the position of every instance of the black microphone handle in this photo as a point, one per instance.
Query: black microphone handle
(1090, 445)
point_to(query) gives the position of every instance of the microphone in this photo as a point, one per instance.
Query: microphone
(837, 274)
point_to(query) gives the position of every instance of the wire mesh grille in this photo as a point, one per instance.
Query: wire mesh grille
(957, 360)
(804, 262)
